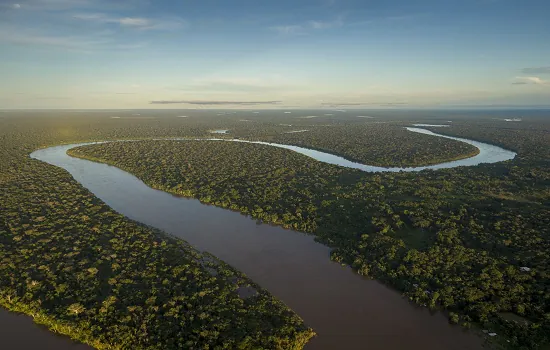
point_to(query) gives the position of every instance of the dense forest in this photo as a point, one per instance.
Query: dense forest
(376, 144)
(471, 240)
(83, 270)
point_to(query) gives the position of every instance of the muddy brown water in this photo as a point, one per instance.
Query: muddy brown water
(19, 332)
(345, 310)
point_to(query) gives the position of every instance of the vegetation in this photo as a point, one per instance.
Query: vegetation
(458, 239)
(83, 270)
(386, 144)
(381, 144)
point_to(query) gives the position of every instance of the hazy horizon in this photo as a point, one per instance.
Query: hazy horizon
(373, 109)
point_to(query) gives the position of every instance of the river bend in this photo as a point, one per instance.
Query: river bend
(345, 309)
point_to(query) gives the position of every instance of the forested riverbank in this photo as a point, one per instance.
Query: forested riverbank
(82, 270)
(457, 238)
(381, 142)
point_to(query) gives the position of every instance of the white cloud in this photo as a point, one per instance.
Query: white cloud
(8, 6)
(326, 24)
(48, 5)
(67, 42)
(78, 5)
(395, 19)
(83, 42)
(304, 28)
(531, 80)
(135, 22)
(92, 17)
(166, 24)
(243, 84)
(288, 29)
(133, 46)
(319, 24)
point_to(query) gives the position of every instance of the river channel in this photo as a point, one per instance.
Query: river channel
(346, 310)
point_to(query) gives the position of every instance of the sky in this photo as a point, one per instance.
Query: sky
(274, 54)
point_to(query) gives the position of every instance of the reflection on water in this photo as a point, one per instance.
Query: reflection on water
(433, 125)
(346, 310)
(295, 131)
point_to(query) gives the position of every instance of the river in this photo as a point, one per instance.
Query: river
(487, 154)
(346, 310)
(19, 332)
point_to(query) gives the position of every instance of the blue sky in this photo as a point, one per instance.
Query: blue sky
(272, 54)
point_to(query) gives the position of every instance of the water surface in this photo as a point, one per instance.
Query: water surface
(295, 131)
(20, 332)
(433, 125)
(346, 310)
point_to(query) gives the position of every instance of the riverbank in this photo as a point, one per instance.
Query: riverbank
(342, 307)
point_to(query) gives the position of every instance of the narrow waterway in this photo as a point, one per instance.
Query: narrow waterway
(346, 310)
(487, 154)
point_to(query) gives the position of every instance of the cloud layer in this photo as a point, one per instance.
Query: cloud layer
(307, 27)
(82, 25)
(134, 22)
(215, 102)
(351, 104)
(530, 80)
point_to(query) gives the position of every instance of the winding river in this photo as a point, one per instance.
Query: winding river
(487, 154)
(346, 310)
